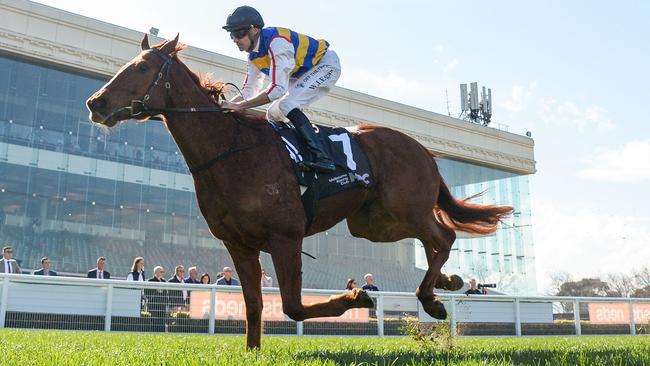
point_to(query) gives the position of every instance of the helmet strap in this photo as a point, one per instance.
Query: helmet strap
(252, 39)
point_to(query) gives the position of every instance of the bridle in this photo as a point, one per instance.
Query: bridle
(139, 108)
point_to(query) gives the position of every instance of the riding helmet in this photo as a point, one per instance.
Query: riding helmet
(243, 17)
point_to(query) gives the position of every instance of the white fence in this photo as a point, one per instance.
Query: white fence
(28, 301)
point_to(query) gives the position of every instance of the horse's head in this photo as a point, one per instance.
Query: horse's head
(140, 84)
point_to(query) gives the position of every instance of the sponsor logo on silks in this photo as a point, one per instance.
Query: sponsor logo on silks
(321, 80)
(364, 178)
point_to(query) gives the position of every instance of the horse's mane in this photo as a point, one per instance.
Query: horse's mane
(208, 87)
(212, 89)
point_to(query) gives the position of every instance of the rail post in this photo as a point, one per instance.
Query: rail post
(380, 315)
(576, 315)
(632, 321)
(213, 300)
(109, 308)
(452, 316)
(517, 318)
(3, 301)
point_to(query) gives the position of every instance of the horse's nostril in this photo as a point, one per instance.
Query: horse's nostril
(98, 103)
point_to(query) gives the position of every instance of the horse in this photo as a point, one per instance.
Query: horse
(248, 193)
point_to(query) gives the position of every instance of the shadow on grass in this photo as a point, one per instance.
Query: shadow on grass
(464, 356)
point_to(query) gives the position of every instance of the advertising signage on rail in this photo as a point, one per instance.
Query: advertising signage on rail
(230, 306)
(604, 313)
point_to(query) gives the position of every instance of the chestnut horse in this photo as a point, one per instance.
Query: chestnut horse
(249, 196)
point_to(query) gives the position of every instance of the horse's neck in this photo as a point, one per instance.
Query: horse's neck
(199, 136)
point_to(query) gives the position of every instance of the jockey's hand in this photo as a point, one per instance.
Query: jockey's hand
(231, 106)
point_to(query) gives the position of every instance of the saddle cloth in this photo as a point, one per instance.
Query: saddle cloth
(352, 165)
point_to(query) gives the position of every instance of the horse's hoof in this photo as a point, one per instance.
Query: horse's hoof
(363, 300)
(366, 300)
(435, 308)
(450, 283)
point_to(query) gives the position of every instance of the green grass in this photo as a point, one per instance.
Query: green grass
(35, 347)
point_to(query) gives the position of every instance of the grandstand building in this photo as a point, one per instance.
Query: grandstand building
(72, 192)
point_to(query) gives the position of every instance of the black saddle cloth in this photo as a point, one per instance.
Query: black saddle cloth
(352, 165)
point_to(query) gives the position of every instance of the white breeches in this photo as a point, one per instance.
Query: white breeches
(308, 88)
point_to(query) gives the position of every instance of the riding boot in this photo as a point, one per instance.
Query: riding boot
(321, 161)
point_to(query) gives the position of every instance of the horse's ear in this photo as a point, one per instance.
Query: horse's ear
(145, 43)
(170, 46)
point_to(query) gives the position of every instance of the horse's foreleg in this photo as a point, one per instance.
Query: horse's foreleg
(288, 267)
(250, 275)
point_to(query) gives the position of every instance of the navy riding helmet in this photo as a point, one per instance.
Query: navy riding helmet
(244, 17)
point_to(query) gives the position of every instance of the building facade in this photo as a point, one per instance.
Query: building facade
(73, 191)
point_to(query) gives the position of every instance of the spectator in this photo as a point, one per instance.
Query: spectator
(45, 268)
(193, 277)
(370, 283)
(473, 290)
(205, 279)
(99, 271)
(267, 281)
(351, 284)
(137, 270)
(177, 297)
(157, 300)
(7, 263)
(227, 278)
(178, 276)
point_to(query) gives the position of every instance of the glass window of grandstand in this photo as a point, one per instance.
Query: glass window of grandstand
(44, 108)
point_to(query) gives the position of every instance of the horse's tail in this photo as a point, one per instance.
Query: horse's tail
(468, 217)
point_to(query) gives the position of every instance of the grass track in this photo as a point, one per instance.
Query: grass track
(36, 347)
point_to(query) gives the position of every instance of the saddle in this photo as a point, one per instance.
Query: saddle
(352, 165)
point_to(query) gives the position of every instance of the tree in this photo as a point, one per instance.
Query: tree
(557, 279)
(622, 284)
(588, 287)
(642, 277)
(641, 292)
(480, 271)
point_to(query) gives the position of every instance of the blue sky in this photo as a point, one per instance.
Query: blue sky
(575, 74)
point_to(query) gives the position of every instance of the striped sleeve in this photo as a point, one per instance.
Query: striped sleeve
(252, 83)
(283, 60)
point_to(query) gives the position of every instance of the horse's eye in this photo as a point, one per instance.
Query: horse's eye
(143, 67)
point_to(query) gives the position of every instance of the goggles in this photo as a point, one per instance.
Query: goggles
(240, 33)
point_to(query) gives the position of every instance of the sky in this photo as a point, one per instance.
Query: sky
(575, 74)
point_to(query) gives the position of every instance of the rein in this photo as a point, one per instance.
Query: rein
(138, 108)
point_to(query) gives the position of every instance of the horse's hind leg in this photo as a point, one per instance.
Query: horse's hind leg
(437, 241)
(286, 255)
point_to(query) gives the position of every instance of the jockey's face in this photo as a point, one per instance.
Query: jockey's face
(246, 42)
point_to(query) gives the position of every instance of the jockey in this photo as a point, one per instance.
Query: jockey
(300, 69)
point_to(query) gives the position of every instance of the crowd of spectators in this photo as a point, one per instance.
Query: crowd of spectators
(369, 285)
(137, 272)
(176, 297)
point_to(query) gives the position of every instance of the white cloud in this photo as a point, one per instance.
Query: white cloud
(628, 163)
(587, 243)
(569, 114)
(519, 97)
(451, 66)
